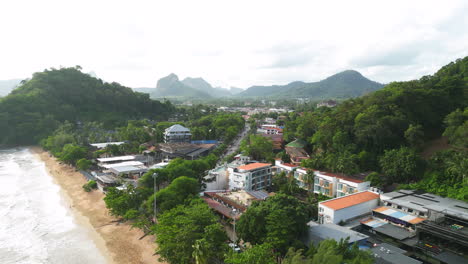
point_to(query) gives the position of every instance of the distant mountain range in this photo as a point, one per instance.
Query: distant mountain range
(345, 84)
(171, 86)
(7, 86)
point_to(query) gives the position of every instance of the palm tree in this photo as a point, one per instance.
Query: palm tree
(309, 179)
(199, 253)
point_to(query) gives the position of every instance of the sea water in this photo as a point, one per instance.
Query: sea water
(36, 224)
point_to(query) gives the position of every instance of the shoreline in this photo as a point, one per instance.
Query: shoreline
(119, 243)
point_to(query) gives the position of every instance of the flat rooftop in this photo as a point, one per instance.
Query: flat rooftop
(391, 254)
(319, 232)
(423, 202)
(118, 158)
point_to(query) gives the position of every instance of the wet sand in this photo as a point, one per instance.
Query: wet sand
(119, 243)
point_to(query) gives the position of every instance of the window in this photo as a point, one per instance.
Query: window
(421, 214)
(340, 186)
(388, 204)
(398, 207)
(410, 210)
(320, 209)
(350, 190)
(316, 180)
(327, 184)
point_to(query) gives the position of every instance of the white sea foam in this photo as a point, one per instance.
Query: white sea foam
(36, 226)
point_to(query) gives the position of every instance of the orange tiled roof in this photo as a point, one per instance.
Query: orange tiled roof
(253, 166)
(350, 200)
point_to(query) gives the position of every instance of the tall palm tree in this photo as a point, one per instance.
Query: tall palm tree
(199, 253)
(309, 179)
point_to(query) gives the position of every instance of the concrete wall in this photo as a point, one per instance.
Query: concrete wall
(349, 212)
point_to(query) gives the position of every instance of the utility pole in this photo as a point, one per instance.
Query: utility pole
(154, 188)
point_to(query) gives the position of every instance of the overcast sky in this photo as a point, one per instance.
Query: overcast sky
(232, 43)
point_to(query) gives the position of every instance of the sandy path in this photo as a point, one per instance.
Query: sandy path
(120, 243)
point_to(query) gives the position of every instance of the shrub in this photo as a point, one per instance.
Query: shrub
(89, 186)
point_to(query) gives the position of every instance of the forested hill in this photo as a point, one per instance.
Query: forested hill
(346, 84)
(385, 130)
(35, 109)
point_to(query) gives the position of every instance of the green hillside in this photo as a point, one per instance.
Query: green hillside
(345, 84)
(36, 108)
(385, 131)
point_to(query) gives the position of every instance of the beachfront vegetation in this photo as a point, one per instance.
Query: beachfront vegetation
(90, 185)
(189, 232)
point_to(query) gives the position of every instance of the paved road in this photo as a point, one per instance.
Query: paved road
(235, 145)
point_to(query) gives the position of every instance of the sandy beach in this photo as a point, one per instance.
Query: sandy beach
(119, 243)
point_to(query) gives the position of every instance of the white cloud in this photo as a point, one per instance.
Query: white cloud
(237, 43)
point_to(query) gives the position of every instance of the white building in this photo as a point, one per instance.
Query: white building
(177, 133)
(250, 177)
(286, 167)
(335, 185)
(347, 207)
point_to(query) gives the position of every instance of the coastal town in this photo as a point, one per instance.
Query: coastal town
(394, 225)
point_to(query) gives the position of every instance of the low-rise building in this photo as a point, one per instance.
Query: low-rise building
(288, 168)
(296, 151)
(337, 185)
(277, 140)
(348, 207)
(177, 133)
(319, 232)
(184, 150)
(250, 177)
(328, 103)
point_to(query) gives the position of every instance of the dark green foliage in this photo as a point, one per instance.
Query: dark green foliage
(414, 135)
(286, 184)
(375, 179)
(179, 229)
(257, 254)
(36, 108)
(446, 175)
(457, 128)
(330, 252)
(258, 148)
(280, 220)
(179, 167)
(89, 186)
(120, 202)
(383, 131)
(179, 191)
(223, 126)
(72, 153)
(401, 165)
(83, 164)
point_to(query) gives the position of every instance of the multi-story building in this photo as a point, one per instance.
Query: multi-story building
(335, 185)
(250, 177)
(177, 134)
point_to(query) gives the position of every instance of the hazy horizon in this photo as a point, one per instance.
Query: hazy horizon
(233, 44)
